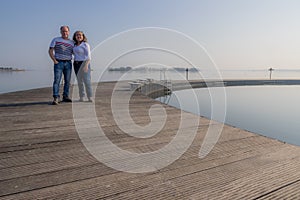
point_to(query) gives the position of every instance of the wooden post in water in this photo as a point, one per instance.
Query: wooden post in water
(271, 69)
(187, 73)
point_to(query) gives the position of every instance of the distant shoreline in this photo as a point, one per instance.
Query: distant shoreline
(10, 69)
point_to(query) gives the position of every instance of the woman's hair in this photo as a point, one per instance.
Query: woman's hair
(74, 37)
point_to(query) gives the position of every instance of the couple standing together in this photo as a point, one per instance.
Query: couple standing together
(61, 51)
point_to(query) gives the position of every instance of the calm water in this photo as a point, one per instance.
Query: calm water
(24, 80)
(273, 111)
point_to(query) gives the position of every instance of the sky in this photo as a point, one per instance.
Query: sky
(237, 34)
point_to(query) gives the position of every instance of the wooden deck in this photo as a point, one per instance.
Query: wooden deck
(42, 157)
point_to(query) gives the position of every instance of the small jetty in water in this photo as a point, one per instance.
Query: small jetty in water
(11, 69)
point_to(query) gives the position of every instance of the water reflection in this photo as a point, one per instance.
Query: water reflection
(272, 111)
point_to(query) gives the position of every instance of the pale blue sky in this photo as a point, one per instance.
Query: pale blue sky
(240, 34)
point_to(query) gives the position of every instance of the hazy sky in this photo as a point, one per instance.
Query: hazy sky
(241, 34)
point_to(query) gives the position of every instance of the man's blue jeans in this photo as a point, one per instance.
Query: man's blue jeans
(62, 68)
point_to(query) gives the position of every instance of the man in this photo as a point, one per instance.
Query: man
(60, 52)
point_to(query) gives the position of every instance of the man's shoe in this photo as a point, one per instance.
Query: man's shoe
(90, 100)
(55, 101)
(66, 99)
(81, 99)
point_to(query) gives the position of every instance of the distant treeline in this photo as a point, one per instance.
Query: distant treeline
(151, 69)
(120, 69)
(185, 69)
(10, 69)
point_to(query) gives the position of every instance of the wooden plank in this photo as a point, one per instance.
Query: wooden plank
(42, 157)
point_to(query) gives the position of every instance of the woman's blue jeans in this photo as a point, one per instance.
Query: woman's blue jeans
(83, 79)
(62, 68)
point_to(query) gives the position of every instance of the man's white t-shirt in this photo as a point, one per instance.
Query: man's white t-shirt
(63, 49)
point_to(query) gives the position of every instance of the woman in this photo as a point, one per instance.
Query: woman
(82, 57)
